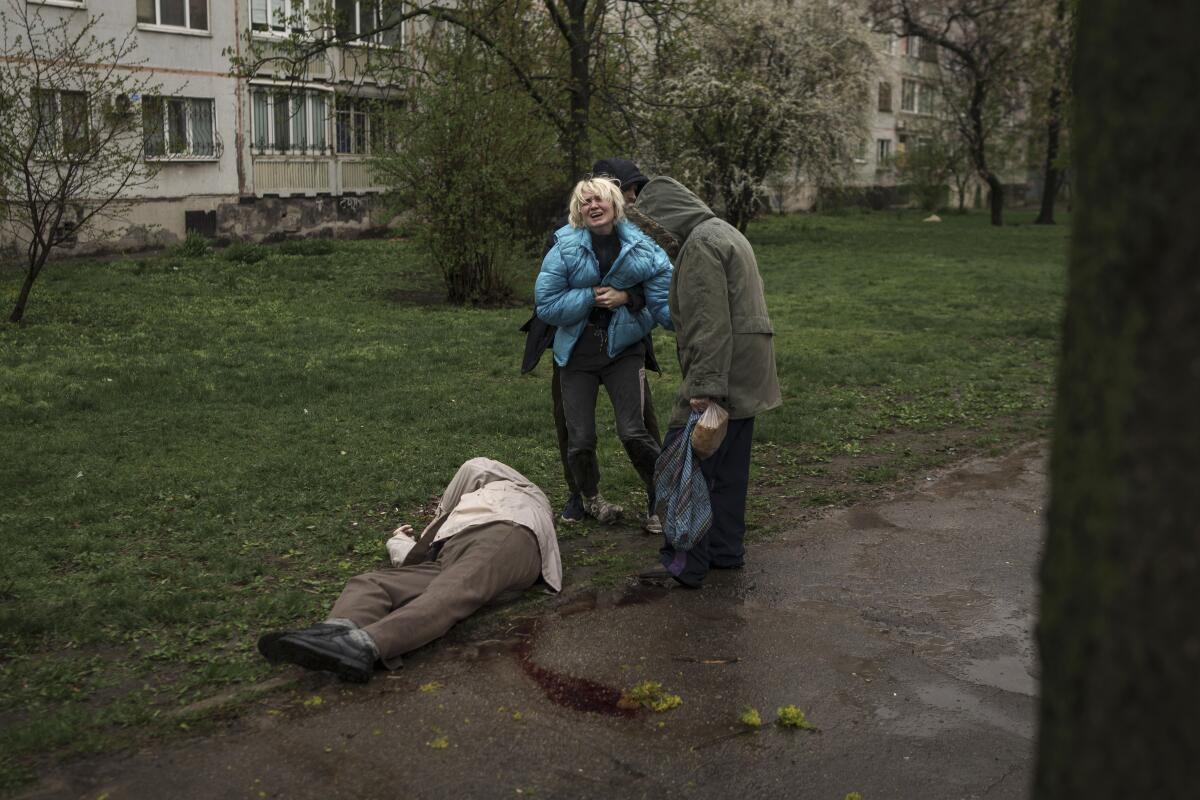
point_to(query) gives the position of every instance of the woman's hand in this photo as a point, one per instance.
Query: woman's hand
(608, 297)
(405, 529)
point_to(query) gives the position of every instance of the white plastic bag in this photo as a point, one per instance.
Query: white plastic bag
(709, 431)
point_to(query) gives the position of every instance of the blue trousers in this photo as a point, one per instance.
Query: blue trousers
(727, 472)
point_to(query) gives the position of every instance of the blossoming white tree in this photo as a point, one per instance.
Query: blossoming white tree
(763, 86)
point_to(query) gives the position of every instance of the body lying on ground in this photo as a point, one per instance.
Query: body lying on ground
(493, 533)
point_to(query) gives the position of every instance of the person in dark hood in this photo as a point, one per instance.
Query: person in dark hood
(540, 335)
(724, 340)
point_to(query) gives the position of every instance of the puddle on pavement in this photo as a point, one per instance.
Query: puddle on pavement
(861, 519)
(635, 594)
(963, 706)
(1006, 672)
(989, 477)
(639, 594)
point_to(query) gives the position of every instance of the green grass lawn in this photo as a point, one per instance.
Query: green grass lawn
(197, 450)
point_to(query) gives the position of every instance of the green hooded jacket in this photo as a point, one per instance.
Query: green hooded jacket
(723, 333)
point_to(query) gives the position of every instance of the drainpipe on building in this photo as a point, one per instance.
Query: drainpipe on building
(238, 136)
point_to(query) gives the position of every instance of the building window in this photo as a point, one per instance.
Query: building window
(61, 122)
(925, 98)
(179, 127)
(289, 121)
(279, 16)
(883, 151)
(885, 97)
(191, 14)
(908, 95)
(353, 125)
(361, 20)
(917, 97)
(362, 126)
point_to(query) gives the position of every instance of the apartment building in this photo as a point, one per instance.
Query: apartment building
(904, 108)
(246, 159)
(907, 111)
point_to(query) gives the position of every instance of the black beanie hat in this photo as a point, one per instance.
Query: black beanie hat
(622, 169)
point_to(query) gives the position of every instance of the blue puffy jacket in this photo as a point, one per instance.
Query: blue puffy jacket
(564, 297)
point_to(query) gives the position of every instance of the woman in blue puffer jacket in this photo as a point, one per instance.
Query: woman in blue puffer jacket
(604, 284)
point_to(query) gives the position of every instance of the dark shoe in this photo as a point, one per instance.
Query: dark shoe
(573, 510)
(652, 525)
(320, 629)
(337, 653)
(739, 565)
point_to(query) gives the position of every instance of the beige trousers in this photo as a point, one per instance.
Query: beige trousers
(403, 608)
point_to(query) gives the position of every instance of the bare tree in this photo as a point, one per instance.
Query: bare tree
(764, 86)
(982, 45)
(70, 142)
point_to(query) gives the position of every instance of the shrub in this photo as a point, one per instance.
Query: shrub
(245, 253)
(477, 158)
(307, 247)
(195, 245)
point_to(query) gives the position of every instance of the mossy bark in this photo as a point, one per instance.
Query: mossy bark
(1118, 633)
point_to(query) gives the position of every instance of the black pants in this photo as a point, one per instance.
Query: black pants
(560, 422)
(727, 472)
(624, 379)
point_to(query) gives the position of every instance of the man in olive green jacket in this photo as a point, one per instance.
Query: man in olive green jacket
(724, 340)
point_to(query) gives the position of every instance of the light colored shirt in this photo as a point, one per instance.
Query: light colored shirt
(484, 491)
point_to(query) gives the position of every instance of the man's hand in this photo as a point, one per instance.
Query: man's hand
(405, 529)
(699, 403)
(608, 297)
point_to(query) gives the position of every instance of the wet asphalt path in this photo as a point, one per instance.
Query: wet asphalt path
(902, 628)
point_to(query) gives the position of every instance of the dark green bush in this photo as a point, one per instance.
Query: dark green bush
(195, 245)
(246, 252)
(307, 247)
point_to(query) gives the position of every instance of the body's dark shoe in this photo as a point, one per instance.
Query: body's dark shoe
(573, 510)
(739, 565)
(333, 652)
(320, 629)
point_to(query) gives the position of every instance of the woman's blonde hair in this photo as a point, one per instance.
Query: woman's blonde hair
(604, 188)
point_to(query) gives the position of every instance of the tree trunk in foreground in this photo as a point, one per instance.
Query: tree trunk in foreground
(1120, 607)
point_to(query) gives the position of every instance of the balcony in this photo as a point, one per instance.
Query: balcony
(307, 176)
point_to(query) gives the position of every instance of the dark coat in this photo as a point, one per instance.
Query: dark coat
(722, 330)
